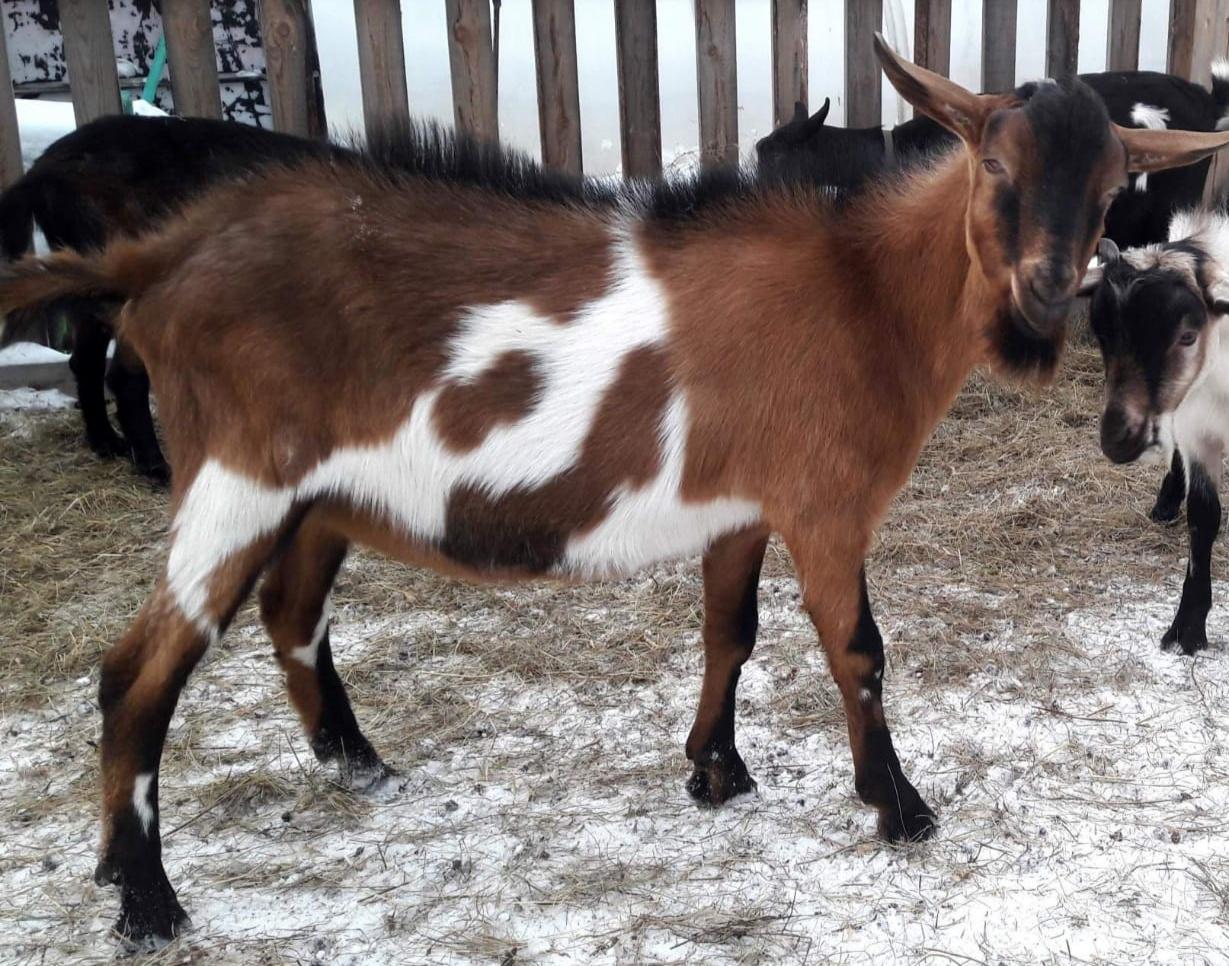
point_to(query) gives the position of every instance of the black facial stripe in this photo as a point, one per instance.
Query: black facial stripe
(1071, 135)
(1007, 208)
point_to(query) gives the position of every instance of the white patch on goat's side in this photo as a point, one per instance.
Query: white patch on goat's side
(142, 800)
(1153, 118)
(222, 513)
(652, 522)
(865, 695)
(410, 478)
(308, 653)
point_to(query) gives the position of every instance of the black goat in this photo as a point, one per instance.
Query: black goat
(846, 158)
(122, 176)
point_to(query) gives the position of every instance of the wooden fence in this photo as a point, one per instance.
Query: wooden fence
(1198, 32)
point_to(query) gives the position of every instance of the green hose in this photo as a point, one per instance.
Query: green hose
(156, 70)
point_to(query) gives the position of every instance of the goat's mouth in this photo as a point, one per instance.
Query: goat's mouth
(1041, 318)
(1125, 440)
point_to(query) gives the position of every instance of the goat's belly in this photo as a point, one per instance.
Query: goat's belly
(565, 526)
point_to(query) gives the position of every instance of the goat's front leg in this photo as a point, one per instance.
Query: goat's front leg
(731, 579)
(834, 592)
(1189, 628)
(1173, 488)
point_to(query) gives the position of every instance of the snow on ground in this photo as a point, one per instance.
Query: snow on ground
(548, 823)
(29, 353)
(34, 399)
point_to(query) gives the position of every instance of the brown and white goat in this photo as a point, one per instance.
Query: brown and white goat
(498, 374)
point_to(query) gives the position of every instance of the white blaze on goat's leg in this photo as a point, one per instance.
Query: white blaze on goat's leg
(142, 800)
(308, 653)
(222, 513)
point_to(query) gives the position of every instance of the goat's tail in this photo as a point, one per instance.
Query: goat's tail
(16, 220)
(1220, 92)
(120, 272)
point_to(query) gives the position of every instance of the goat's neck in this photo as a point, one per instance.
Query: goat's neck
(913, 242)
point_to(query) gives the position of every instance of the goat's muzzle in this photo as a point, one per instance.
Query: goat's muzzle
(1123, 439)
(1042, 304)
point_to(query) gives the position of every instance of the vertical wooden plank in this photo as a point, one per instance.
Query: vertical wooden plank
(1122, 45)
(554, 49)
(188, 29)
(863, 90)
(284, 30)
(789, 58)
(90, 57)
(639, 96)
(717, 81)
(1062, 37)
(472, 62)
(1217, 185)
(998, 45)
(381, 62)
(10, 136)
(932, 35)
(1190, 38)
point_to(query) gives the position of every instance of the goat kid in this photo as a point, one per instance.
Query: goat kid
(1158, 314)
(113, 177)
(498, 374)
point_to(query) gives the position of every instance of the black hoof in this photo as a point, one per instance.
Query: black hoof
(1188, 640)
(1165, 511)
(912, 823)
(150, 914)
(359, 767)
(363, 776)
(157, 473)
(107, 446)
(722, 777)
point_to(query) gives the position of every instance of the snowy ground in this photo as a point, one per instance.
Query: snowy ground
(539, 816)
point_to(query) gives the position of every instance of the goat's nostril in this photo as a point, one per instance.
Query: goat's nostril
(1044, 290)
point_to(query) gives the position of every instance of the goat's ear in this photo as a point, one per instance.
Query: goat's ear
(1108, 251)
(960, 111)
(1092, 278)
(1220, 306)
(1153, 150)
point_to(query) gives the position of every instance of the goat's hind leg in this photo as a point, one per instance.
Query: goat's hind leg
(88, 362)
(129, 383)
(142, 677)
(294, 604)
(731, 579)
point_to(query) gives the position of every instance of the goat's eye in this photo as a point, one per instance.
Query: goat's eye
(1188, 337)
(993, 166)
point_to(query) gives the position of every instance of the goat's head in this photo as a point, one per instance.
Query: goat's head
(1155, 312)
(807, 149)
(1044, 164)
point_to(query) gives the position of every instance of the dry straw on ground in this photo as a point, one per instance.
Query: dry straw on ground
(540, 816)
